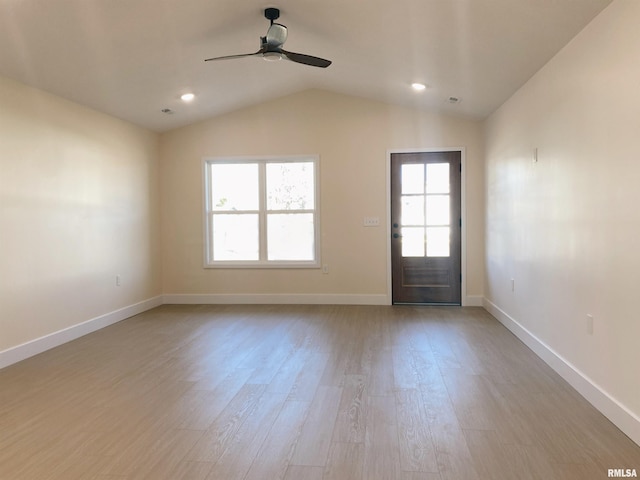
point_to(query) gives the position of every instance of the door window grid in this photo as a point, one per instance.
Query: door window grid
(425, 210)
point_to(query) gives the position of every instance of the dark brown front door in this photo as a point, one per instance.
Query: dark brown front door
(425, 227)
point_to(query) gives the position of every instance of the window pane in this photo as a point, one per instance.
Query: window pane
(235, 237)
(438, 210)
(290, 186)
(438, 241)
(412, 178)
(412, 212)
(234, 187)
(412, 242)
(437, 178)
(290, 237)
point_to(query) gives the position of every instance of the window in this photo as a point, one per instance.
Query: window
(425, 210)
(261, 212)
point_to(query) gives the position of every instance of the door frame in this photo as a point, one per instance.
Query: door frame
(463, 215)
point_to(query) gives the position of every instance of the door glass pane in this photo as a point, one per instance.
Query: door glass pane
(412, 210)
(290, 237)
(437, 178)
(412, 241)
(438, 241)
(438, 210)
(235, 237)
(290, 186)
(412, 178)
(234, 187)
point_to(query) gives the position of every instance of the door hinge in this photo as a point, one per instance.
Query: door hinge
(460, 222)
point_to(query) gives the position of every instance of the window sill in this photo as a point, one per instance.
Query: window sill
(264, 265)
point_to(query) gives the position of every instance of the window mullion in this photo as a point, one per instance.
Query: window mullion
(262, 216)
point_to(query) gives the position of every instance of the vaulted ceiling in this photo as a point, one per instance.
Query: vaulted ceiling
(134, 58)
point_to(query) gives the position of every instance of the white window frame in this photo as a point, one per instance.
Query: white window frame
(263, 262)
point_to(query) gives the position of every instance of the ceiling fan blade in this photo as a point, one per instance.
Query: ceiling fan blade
(306, 59)
(276, 35)
(229, 57)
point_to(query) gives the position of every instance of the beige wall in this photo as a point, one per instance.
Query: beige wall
(566, 228)
(78, 205)
(352, 137)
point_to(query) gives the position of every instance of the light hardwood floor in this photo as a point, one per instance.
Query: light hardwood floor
(300, 393)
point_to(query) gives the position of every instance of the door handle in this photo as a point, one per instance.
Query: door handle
(396, 235)
(395, 225)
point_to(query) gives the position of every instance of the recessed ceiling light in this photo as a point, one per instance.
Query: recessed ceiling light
(418, 87)
(187, 97)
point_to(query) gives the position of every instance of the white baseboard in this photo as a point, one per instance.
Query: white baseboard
(276, 299)
(620, 415)
(39, 345)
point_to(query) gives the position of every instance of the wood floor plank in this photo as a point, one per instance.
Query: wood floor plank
(187, 470)
(345, 461)
(275, 454)
(499, 461)
(474, 406)
(153, 454)
(221, 433)
(307, 382)
(420, 476)
(442, 345)
(166, 463)
(512, 425)
(299, 472)
(312, 447)
(452, 452)
(404, 374)
(381, 454)
(236, 460)
(352, 412)
(204, 406)
(208, 392)
(417, 452)
(286, 375)
(74, 467)
(381, 377)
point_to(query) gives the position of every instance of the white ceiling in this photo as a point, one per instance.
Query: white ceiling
(132, 58)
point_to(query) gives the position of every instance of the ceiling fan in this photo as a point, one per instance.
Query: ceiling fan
(271, 45)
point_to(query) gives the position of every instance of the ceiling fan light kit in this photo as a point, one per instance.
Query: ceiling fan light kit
(272, 56)
(271, 46)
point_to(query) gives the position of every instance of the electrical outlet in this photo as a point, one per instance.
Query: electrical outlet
(325, 268)
(118, 281)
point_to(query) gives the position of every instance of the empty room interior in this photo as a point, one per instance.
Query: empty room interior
(319, 240)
